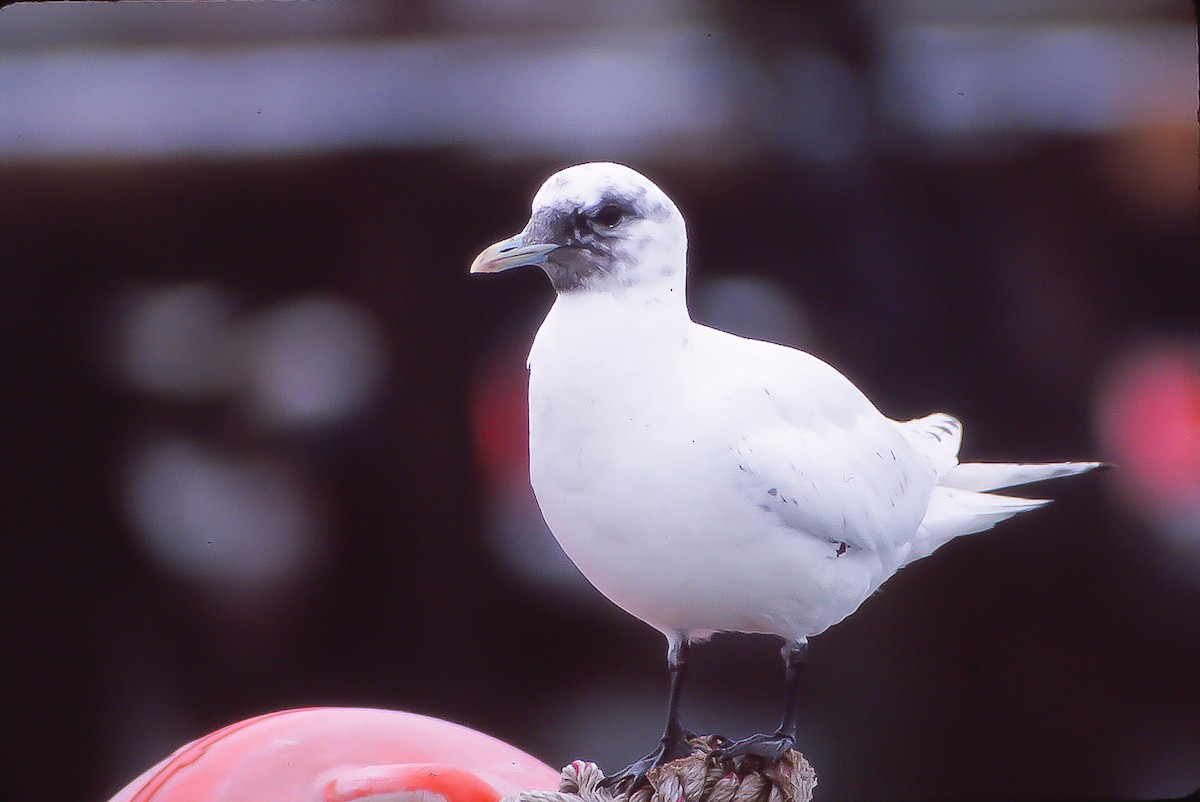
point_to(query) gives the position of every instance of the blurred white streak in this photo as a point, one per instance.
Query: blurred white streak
(235, 523)
(1028, 12)
(571, 80)
(174, 340)
(627, 92)
(43, 25)
(311, 361)
(949, 80)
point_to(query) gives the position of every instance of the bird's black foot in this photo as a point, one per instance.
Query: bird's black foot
(633, 776)
(770, 749)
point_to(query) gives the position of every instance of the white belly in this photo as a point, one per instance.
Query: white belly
(634, 418)
(632, 527)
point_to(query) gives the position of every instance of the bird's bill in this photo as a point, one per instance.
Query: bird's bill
(510, 253)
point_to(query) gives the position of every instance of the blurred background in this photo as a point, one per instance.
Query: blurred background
(265, 439)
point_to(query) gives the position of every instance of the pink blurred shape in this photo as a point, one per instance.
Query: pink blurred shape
(1150, 421)
(334, 754)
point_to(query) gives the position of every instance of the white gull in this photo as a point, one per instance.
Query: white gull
(706, 482)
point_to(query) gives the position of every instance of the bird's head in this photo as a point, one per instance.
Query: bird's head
(598, 226)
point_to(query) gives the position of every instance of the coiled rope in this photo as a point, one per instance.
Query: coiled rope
(695, 778)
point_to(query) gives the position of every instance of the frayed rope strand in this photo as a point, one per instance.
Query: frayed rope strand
(695, 778)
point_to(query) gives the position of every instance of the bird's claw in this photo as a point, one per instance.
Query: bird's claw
(633, 776)
(770, 749)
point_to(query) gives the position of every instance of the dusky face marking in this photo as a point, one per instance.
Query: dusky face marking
(589, 236)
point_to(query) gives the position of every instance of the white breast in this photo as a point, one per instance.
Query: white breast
(638, 478)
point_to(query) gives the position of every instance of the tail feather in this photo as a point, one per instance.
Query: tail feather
(960, 503)
(954, 511)
(983, 476)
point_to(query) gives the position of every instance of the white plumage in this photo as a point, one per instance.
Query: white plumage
(705, 482)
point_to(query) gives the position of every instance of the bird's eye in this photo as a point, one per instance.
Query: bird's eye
(609, 215)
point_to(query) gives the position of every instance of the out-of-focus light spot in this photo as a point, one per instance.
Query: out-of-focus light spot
(821, 112)
(1149, 422)
(750, 306)
(499, 417)
(222, 520)
(174, 341)
(1153, 169)
(312, 361)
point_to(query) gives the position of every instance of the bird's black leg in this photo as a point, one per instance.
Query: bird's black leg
(674, 739)
(772, 748)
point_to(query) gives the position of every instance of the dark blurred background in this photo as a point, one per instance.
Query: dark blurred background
(264, 438)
